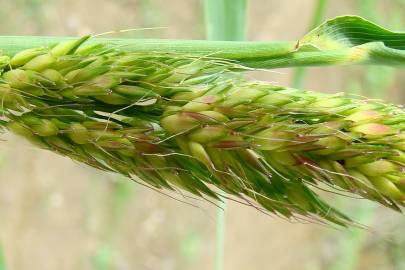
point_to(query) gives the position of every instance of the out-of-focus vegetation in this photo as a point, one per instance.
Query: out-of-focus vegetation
(55, 214)
(2, 260)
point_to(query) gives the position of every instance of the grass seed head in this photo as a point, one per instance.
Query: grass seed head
(194, 123)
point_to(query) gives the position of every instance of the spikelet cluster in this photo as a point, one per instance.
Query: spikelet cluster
(182, 122)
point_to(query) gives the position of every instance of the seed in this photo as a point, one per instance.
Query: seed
(178, 123)
(379, 167)
(40, 62)
(373, 129)
(208, 134)
(19, 79)
(21, 58)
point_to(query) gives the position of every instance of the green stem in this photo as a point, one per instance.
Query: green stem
(234, 50)
(250, 54)
(319, 13)
(226, 20)
(220, 240)
(2, 260)
(317, 17)
(353, 239)
(343, 40)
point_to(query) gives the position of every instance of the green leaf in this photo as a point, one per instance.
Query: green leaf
(351, 31)
(357, 41)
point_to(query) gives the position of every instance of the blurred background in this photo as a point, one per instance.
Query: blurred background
(57, 214)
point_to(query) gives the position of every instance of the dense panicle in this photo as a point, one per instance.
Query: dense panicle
(182, 122)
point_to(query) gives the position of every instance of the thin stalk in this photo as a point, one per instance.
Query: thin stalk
(332, 43)
(317, 17)
(2, 260)
(151, 17)
(35, 10)
(121, 193)
(220, 237)
(233, 50)
(350, 247)
(225, 20)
